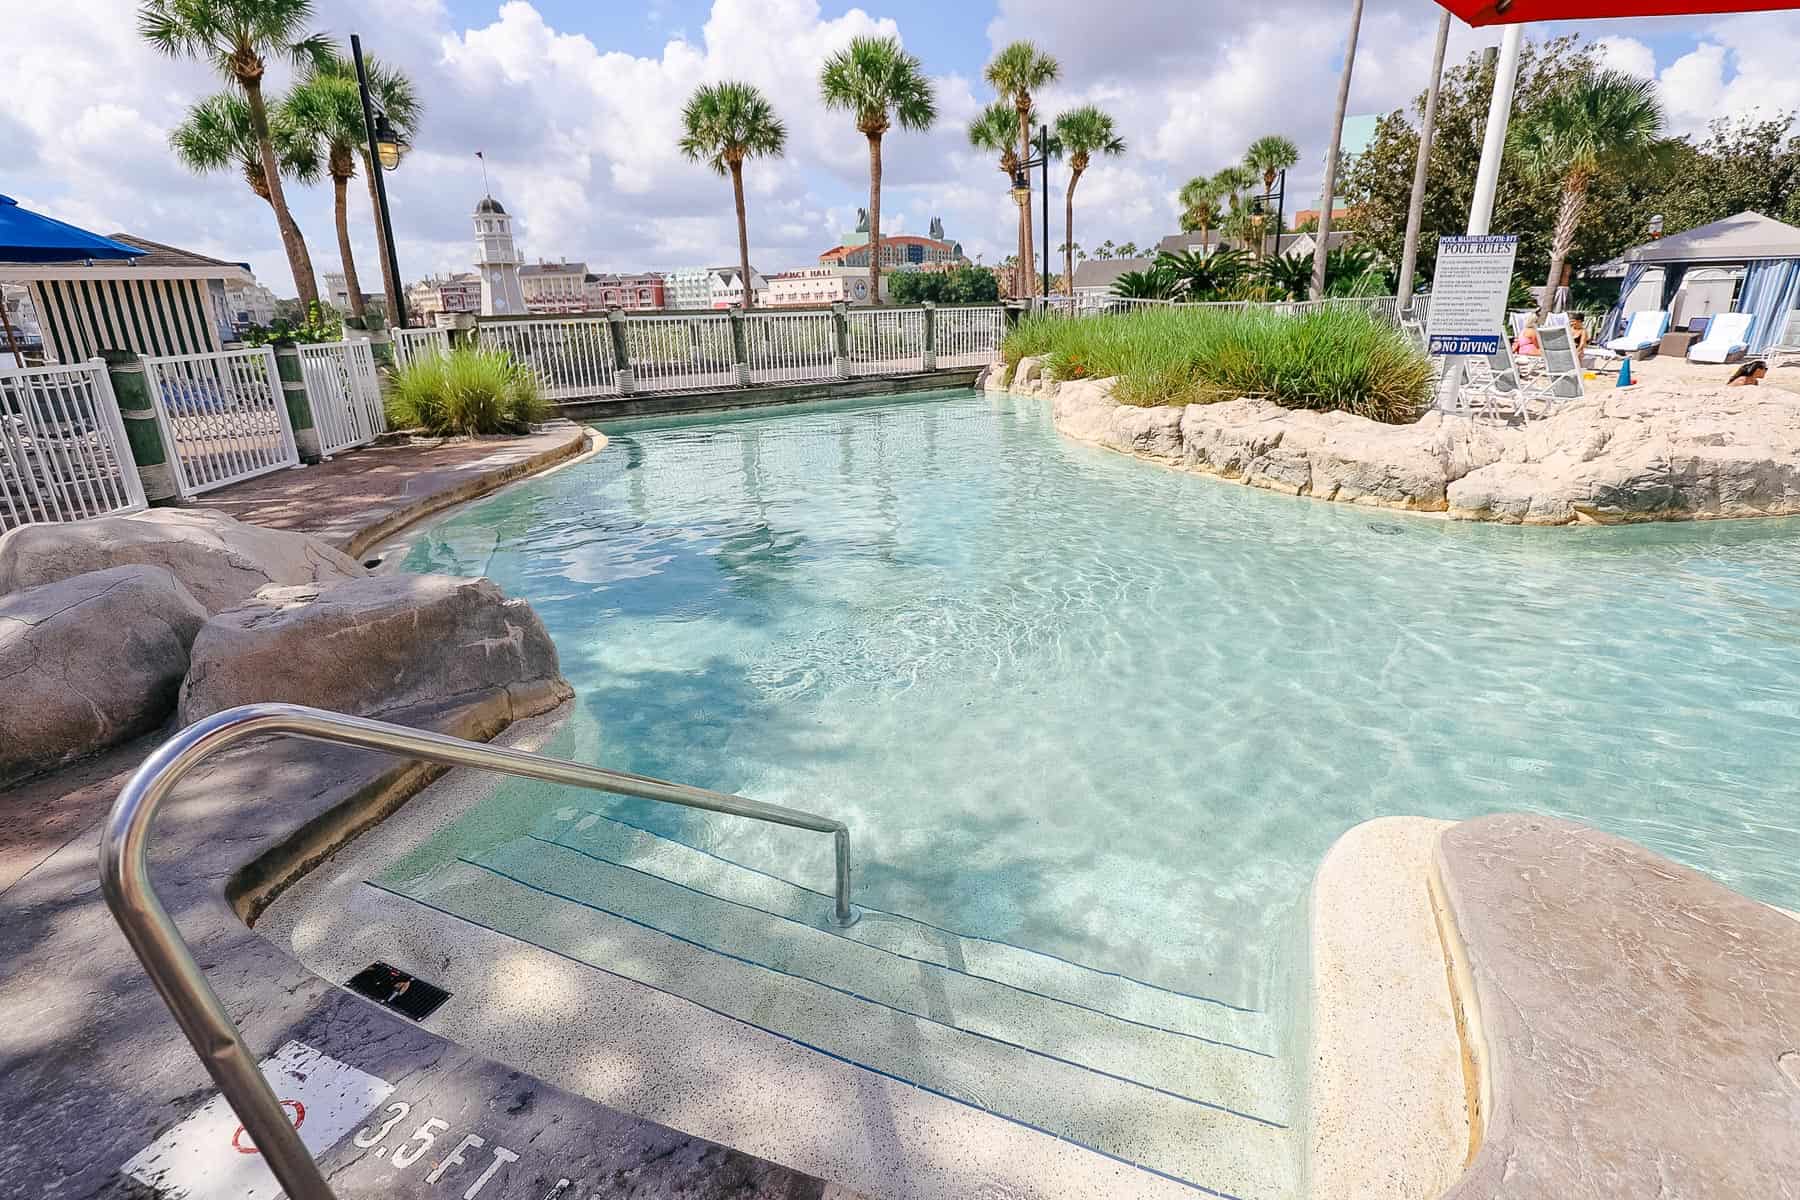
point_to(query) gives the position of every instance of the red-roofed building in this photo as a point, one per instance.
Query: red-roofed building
(900, 252)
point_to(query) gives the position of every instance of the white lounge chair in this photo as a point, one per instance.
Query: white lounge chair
(1727, 338)
(1562, 367)
(1644, 333)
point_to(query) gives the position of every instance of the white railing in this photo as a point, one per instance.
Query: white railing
(790, 347)
(222, 416)
(1386, 308)
(63, 454)
(410, 345)
(572, 357)
(968, 337)
(344, 394)
(679, 353)
(883, 341)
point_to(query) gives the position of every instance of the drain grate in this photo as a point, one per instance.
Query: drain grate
(393, 988)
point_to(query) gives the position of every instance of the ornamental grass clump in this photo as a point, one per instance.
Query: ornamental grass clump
(1339, 359)
(466, 392)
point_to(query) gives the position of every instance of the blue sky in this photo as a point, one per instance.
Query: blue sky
(574, 104)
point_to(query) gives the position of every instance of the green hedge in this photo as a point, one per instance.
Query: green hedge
(1337, 360)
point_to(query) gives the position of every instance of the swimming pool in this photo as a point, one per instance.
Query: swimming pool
(1106, 711)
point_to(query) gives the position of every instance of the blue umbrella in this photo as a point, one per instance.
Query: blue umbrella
(26, 236)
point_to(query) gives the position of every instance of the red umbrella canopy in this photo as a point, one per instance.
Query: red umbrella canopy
(1516, 12)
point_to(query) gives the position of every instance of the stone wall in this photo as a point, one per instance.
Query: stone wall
(1646, 455)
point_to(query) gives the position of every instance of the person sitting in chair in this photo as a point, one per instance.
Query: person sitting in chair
(1749, 374)
(1578, 333)
(1528, 340)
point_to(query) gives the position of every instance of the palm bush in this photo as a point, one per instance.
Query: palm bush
(1201, 277)
(1153, 284)
(466, 392)
(1335, 360)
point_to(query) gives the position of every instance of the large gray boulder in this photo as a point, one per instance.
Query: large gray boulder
(220, 560)
(365, 646)
(89, 661)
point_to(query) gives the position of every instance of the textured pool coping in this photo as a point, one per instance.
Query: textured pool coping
(363, 496)
(1388, 1111)
(633, 1047)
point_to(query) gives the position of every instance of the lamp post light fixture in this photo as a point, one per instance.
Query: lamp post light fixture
(1656, 226)
(389, 147)
(1021, 194)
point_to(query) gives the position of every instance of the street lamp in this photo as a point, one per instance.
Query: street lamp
(1276, 182)
(1656, 226)
(1021, 194)
(389, 147)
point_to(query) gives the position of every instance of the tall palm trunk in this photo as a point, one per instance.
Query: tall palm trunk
(737, 195)
(874, 218)
(1027, 263)
(299, 261)
(340, 186)
(389, 285)
(1069, 231)
(1568, 219)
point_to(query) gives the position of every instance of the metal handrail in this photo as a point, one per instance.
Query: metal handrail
(125, 880)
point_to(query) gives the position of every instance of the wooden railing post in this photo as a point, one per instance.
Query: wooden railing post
(840, 327)
(928, 358)
(621, 348)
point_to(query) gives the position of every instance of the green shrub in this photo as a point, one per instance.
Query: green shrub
(962, 284)
(466, 392)
(1340, 359)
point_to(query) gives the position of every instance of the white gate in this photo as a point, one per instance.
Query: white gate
(790, 347)
(63, 454)
(222, 416)
(886, 341)
(410, 345)
(344, 393)
(968, 337)
(681, 353)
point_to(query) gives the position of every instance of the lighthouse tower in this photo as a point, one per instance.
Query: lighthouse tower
(498, 261)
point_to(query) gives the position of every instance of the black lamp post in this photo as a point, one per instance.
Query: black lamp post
(388, 147)
(1276, 195)
(1021, 189)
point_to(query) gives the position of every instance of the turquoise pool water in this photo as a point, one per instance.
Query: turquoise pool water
(1115, 712)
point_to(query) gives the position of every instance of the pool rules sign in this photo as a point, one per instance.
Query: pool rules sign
(1468, 294)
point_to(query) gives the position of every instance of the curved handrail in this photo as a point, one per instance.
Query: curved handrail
(125, 881)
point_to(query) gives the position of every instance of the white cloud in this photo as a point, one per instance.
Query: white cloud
(580, 139)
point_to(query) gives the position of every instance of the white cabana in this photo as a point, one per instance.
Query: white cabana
(1768, 251)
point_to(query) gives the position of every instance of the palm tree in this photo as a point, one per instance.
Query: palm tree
(1200, 199)
(1583, 129)
(1269, 156)
(326, 108)
(724, 124)
(236, 37)
(996, 130)
(1235, 184)
(878, 82)
(1016, 72)
(216, 136)
(1083, 132)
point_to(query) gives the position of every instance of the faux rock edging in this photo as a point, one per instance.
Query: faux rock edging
(1659, 456)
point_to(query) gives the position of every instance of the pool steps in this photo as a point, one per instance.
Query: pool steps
(1182, 1086)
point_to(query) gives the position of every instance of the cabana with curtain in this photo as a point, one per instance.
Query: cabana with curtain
(1766, 249)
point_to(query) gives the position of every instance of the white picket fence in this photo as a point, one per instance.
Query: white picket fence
(344, 393)
(63, 454)
(410, 345)
(968, 337)
(680, 353)
(571, 356)
(790, 347)
(222, 416)
(886, 341)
